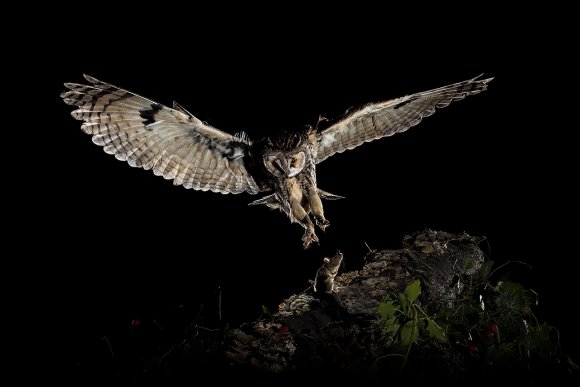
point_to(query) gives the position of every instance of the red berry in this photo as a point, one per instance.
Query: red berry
(472, 348)
(283, 329)
(493, 328)
(135, 323)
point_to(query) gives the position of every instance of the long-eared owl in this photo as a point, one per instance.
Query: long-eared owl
(177, 145)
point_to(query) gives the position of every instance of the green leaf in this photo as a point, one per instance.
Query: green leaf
(413, 290)
(484, 271)
(468, 263)
(435, 331)
(542, 339)
(386, 310)
(403, 302)
(409, 333)
(392, 327)
(266, 311)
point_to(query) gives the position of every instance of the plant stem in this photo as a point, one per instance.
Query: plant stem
(411, 338)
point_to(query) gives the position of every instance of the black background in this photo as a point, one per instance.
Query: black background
(126, 244)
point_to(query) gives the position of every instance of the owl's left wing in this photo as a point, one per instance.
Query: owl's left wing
(171, 142)
(384, 119)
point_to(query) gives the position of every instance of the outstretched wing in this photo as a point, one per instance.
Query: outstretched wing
(384, 119)
(171, 142)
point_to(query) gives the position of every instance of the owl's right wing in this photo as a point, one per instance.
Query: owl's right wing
(390, 117)
(171, 142)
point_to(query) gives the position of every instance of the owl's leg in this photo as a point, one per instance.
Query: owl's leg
(297, 209)
(301, 216)
(317, 209)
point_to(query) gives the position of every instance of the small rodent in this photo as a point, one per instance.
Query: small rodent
(324, 281)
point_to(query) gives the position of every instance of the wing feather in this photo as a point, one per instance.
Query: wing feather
(171, 142)
(384, 119)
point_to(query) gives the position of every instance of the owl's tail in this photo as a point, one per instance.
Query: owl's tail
(328, 195)
(269, 200)
(272, 202)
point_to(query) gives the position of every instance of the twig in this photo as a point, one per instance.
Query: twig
(507, 263)
(106, 340)
(220, 302)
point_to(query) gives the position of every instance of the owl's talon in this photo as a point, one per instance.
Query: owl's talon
(322, 224)
(308, 238)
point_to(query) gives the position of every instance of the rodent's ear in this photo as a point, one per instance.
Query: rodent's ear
(326, 260)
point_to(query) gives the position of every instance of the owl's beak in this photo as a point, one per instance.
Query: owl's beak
(284, 166)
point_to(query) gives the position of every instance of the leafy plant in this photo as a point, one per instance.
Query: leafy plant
(404, 322)
(490, 327)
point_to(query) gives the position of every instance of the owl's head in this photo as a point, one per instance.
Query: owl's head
(285, 154)
(282, 164)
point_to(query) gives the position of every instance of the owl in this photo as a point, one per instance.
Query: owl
(178, 146)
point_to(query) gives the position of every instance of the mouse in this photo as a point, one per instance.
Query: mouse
(324, 281)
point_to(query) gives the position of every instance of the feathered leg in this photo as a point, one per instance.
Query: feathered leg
(296, 212)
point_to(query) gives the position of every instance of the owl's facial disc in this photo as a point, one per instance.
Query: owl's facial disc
(281, 166)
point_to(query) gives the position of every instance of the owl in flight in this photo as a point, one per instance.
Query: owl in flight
(177, 145)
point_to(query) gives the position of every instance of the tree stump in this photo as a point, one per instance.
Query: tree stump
(311, 332)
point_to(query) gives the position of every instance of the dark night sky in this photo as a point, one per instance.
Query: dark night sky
(497, 164)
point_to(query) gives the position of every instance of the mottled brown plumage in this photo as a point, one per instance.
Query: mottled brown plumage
(178, 146)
